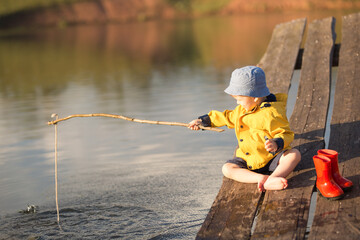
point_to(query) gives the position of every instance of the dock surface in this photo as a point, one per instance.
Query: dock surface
(239, 211)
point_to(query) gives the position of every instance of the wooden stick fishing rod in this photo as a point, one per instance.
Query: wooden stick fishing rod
(132, 120)
(57, 120)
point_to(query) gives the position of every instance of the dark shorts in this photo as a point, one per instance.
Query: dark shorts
(267, 169)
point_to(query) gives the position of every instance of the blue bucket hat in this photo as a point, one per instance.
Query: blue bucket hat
(248, 81)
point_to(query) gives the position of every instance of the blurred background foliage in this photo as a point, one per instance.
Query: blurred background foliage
(198, 6)
(201, 6)
(13, 6)
(8, 7)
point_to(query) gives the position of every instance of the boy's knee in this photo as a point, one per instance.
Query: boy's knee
(297, 155)
(226, 169)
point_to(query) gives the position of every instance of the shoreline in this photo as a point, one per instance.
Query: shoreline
(124, 11)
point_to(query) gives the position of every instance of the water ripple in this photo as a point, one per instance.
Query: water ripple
(93, 222)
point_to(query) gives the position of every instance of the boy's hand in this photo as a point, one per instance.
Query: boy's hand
(194, 124)
(271, 146)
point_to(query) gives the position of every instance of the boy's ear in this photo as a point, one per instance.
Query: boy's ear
(258, 99)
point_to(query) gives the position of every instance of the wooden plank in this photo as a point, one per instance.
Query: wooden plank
(341, 219)
(284, 214)
(279, 60)
(233, 211)
(233, 198)
(335, 61)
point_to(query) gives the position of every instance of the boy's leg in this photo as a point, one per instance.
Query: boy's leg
(234, 172)
(287, 164)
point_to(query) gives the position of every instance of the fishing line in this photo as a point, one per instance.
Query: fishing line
(56, 175)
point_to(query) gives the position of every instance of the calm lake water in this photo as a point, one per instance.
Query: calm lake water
(119, 179)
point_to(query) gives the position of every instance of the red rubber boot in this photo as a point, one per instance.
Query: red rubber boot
(344, 183)
(325, 184)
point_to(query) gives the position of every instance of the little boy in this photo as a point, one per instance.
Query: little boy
(261, 128)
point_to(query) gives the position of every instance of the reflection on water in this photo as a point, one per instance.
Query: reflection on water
(117, 178)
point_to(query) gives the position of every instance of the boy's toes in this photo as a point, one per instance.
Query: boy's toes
(261, 183)
(261, 187)
(276, 183)
(285, 184)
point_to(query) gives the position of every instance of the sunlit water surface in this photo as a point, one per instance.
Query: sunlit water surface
(119, 179)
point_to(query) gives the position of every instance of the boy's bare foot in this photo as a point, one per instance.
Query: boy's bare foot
(275, 183)
(261, 183)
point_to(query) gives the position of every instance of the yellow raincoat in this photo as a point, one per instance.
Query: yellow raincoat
(269, 119)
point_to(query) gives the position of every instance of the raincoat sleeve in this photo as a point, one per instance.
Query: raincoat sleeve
(225, 118)
(280, 132)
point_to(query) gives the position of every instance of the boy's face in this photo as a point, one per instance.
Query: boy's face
(246, 102)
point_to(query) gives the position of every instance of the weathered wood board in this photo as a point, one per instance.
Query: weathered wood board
(284, 214)
(341, 219)
(335, 61)
(279, 60)
(222, 222)
(233, 211)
